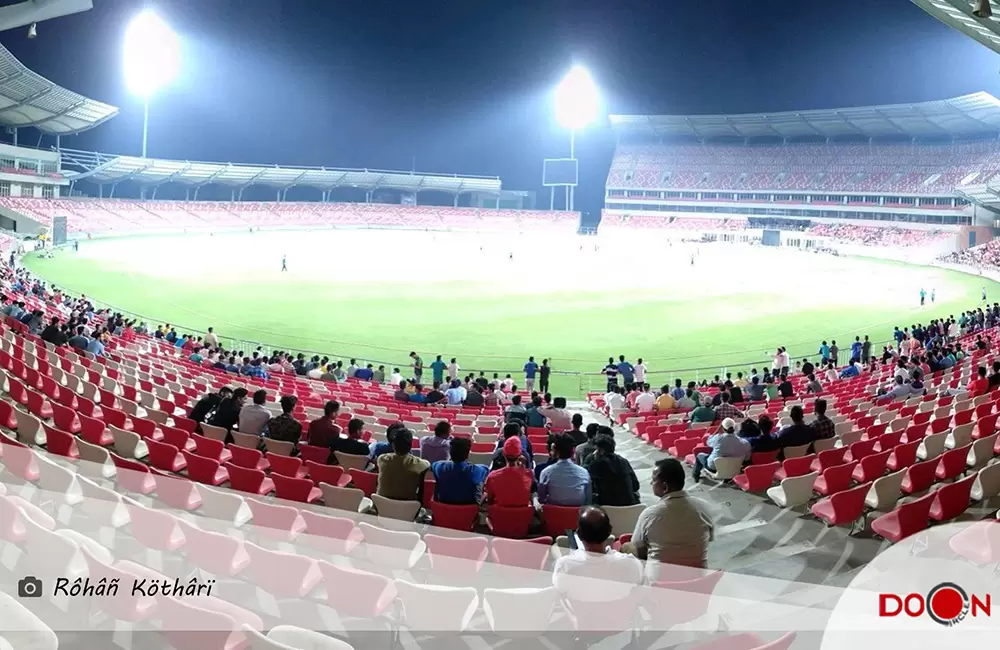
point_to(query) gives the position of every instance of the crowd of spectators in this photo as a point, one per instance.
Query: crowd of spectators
(984, 256)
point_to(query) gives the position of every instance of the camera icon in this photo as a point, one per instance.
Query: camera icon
(29, 587)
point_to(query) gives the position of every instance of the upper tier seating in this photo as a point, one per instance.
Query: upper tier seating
(123, 216)
(885, 167)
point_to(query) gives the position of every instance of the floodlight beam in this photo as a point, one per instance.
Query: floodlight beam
(152, 60)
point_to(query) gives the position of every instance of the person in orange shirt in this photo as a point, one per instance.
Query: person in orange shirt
(510, 486)
(665, 402)
(980, 385)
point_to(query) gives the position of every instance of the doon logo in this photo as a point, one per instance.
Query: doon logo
(947, 604)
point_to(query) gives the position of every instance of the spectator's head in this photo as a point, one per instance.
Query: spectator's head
(766, 425)
(724, 396)
(402, 384)
(512, 450)
(677, 383)
(605, 445)
(577, 421)
(729, 425)
(536, 400)
(668, 476)
(593, 528)
(437, 385)
(755, 380)
(516, 400)
(225, 392)
(559, 402)
(592, 430)
(460, 448)
(666, 388)
(439, 357)
(354, 428)
(260, 397)
(240, 395)
(288, 403)
(392, 429)
(899, 380)
(402, 442)
(564, 447)
(982, 372)
(796, 414)
(821, 407)
(413, 355)
(511, 429)
(418, 388)
(442, 429)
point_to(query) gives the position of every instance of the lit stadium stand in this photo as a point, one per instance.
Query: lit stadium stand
(29, 100)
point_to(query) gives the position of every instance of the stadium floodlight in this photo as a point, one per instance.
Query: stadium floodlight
(152, 60)
(983, 9)
(577, 103)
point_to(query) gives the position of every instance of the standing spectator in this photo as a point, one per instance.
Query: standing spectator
(677, 529)
(510, 486)
(824, 351)
(856, 350)
(324, 431)
(436, 447)
(211, 340)
(255, 417)
(456, 481)
(530, 369)
(724, 445)
(612, 477)
(418, 366)
(640, 371)
(564, 483)
(610, 371)
(626, 370)
(453, 369)
(437, 369)
(284, 426)
(400, 473)
(866, 350)
(543, 376)
(834, 352)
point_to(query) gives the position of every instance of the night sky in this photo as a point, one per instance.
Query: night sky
(465, 85)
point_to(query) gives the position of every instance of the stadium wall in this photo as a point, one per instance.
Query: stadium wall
(19, 223)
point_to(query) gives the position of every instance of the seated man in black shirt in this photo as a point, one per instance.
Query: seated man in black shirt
(798, 432)
(435, 395)
(785, 387)
(352, 444)
(579, 437)
(612, 477)
(995, 377)
(209, 403)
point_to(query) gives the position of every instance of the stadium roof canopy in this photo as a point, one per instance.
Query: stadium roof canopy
(104, 168)
(962, 116)
(958, 14)
(28, 99)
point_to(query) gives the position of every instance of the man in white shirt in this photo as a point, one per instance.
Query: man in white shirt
(594, 572)
(831, 373)
(352, 368)
(211, 340)
(508, 384)
(453, 369)
(614, 400)
(646, 400)
(254, 416)
(639, 370)
(395, 377)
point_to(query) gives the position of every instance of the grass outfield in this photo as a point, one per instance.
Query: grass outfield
(378, 294)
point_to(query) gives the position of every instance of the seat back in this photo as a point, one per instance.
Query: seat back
(208, 447)
(456, 517)
(556, 520)
(510, 521)
(931, 446)
(246, 457)
(293, 489)
(322, 473)
(885, 491)
(903, 455)
(952, 499)
(987, 483)
(797, 466)
(279, 447)
(838, 477)
(314, 454)
(797, 451)
(348, 499)
(727, 468)
(919, 477)
(284, 465)
(351, 461)
(244, 479)
(952, 463)
(392, 509)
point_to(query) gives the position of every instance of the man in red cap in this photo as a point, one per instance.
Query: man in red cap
(510, 486)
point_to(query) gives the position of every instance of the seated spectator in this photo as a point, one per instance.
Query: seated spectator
(79, 340)
(556, 415)
(227, 414)
(899, 390)
(995, 376)
(823, 427)
(595, 572)
(735, 392)
(400, 473)
(615, 399)
(475, 397)
(510, 486)
(380, 447)
(797, 433)
(352, 444)
(436, 447)
(981, 384)
(207, 405)
(457, 482)
(645, 402)
(704, 412)
(255, 417)
(755, 390)
(764, 440)
(785, 388)
(324, 431)
(585, 450)
(687, 402)
(549, 459)
(578, 436)
(51, 332)
(513, 430)
(612, 478)
(724, 445)
(535, 419)
(813, 386)
(365, 374)
(666, 401)
(455, 393)
(564, 483)
(677, 529)
(284, 426)
(726, 409)
(401, 395)
(516, 412)
(417, 396)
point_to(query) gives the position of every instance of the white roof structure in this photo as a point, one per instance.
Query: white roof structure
(962, 116)
(107, 168)
(958, 14)
(28, 99)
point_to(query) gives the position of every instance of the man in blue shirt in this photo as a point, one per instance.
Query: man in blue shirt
(724, 445)
(455, 394)
(564, 483)
(626, 369)
(95, 346)
(824, 352)
(457, 482)
(678, 392)
(365, 374)
(856, 350)
(530, 369)
(437, 368)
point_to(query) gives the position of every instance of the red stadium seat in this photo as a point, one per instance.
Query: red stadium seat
(951, 500)
(249, 480)
(756, 478)
(248, 458)
(295, 489)
(846, 506)
(330, 474)
(464, 517)
(920, 476)
(835, 479)
(556, 520)
(205, 470)
(165, 457)
(905, 520)
(510, 521)
(286, 466)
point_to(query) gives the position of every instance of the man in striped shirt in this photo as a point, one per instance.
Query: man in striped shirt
(611, 372)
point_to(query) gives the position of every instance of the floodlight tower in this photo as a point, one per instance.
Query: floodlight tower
(576, 103)
(152, 60)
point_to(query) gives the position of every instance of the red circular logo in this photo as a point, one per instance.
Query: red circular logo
(947, 604)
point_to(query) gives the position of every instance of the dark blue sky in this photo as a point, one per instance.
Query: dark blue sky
(464, 86)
